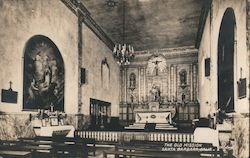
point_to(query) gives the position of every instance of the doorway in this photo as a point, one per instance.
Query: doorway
(100, 113)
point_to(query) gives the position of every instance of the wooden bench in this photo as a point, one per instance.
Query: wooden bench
(16, 146)
(15, 154)
(63, 145)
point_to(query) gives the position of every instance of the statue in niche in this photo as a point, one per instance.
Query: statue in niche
(183, 77)
(105, 73)
(156, 93)
(132, 81)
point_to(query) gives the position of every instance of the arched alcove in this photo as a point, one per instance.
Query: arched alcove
(43, 75)
(226, 61)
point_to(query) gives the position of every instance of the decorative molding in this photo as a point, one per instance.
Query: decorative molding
(203, 17)
(170, 54)
(167, 50)
(81, 11)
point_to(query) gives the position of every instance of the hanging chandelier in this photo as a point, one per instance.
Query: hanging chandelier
(123, 53)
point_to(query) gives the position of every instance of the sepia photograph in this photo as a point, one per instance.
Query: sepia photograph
(124, 78)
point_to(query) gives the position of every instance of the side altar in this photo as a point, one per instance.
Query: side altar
(50, 122)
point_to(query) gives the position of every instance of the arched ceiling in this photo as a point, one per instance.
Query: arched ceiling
(149, 24)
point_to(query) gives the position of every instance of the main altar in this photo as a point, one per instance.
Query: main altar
(162, 92)
(161, 117)
(154, 114)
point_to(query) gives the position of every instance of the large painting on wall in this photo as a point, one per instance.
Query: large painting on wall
(43, 83)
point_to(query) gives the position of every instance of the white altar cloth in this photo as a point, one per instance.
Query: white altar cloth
(153, 117)
(48, 130)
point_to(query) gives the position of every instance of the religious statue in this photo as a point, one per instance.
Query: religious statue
(156, 93)
(183, 77)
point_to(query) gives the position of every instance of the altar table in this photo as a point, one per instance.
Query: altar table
(153, 117)
(48, 130)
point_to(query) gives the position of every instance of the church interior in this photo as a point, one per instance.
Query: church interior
(124, 78)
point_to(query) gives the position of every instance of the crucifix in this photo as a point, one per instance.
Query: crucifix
(156, 62)
(10, 85)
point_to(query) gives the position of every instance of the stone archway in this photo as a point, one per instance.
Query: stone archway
(43, 75)
(226, 62)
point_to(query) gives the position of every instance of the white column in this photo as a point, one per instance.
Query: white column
(194, 82)
(176, 82)
(125, 85)
(121, 84)
(144, 83)
(168, 82)
(191, 82)
(172, 83)
(139, 84)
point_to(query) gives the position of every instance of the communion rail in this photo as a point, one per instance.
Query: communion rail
(113, 137)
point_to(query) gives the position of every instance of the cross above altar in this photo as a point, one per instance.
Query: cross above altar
(156, 62)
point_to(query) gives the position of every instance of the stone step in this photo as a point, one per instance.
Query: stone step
(169, 128)
(132, 127)
(163, 125)
(159, 126)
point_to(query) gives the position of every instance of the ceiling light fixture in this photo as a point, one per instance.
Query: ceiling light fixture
(123, 53)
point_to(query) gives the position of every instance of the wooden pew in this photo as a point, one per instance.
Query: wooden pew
(16, 145)
(63, 145)
(15, 154)
(13, 148)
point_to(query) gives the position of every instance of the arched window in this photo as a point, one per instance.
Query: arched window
(226, 51)
(132, 81)
(183, 77)
(43, 79)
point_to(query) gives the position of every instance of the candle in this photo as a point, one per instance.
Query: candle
(51, 108)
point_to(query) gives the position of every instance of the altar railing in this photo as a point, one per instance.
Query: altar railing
(113, 137)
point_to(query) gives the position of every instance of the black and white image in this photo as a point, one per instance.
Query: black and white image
(125, 78)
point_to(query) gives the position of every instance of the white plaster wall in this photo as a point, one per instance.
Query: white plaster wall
(94, 51)
(208, 48)
(19, 21)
